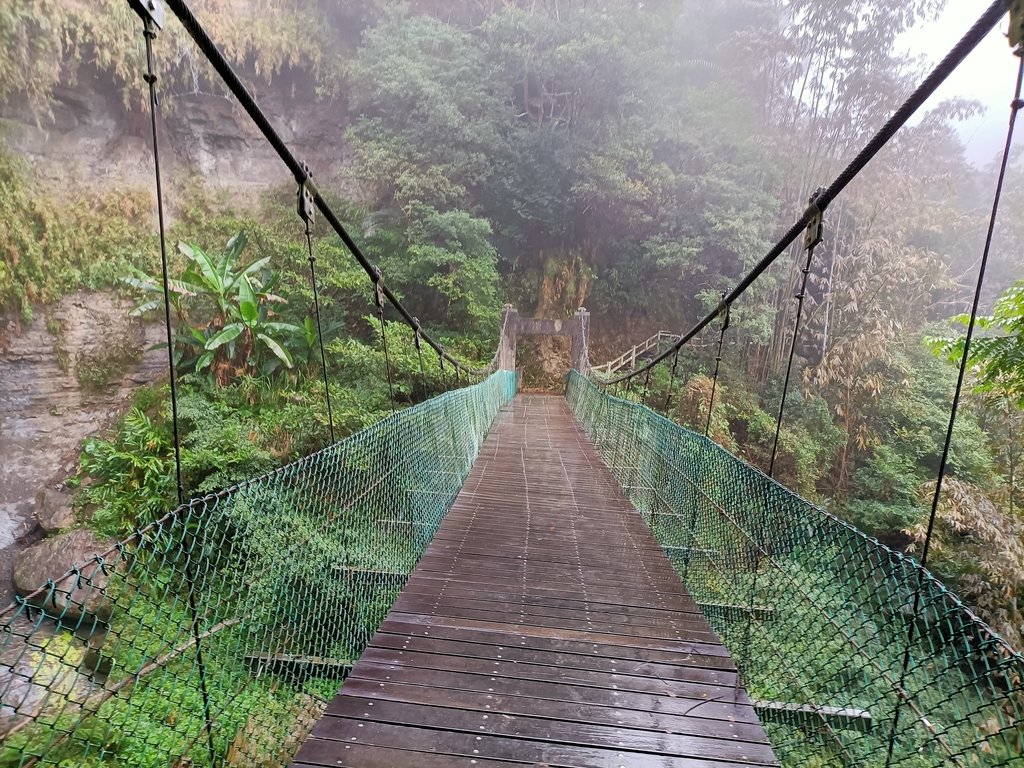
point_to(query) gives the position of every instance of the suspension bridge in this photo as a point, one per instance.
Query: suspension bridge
(497, 579)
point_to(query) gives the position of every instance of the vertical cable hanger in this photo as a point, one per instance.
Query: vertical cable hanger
(671, 380)
(444, 375)
(647, 386)
(152, 14)
(718, 362)
(812, 236)
(378, 300)
(417, 341)
(1016, 39)
(307, 212)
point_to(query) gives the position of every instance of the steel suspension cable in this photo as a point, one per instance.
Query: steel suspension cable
(1015, 106)
(971, 39)
(306, 212)
(149, 32)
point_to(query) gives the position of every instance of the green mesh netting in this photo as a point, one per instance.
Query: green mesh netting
(280, 581)
(815, 613)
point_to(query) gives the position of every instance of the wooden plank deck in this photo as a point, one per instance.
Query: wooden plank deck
(543, 626)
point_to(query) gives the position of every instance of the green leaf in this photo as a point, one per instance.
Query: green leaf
(207, 268)
(247, 303)
(276, 348)
(281, 327)
(256, 266)
(145, 307)
(204, 361)
(226, 334)
(235, 248)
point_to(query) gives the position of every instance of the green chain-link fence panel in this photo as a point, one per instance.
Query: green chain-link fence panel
(278, 583)
(815, 613)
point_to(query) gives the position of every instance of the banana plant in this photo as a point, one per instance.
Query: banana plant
(235, 299)
(253, 326)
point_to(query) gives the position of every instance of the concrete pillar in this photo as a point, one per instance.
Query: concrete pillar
(580, 331)
(507, 342)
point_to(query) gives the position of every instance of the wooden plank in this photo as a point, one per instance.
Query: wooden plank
(544, 625)
(518, 670)
(700, 672)
(561, 729)
(788, 713)
(331, 734)
(555, 710)
(372, 576)
(297, 667)
(737, 612)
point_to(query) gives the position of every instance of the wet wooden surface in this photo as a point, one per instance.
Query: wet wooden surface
(543, 626)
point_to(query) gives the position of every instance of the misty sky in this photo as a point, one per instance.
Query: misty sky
(988, 75)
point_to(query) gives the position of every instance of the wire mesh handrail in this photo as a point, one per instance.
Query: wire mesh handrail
(290, 573)
(822, 632)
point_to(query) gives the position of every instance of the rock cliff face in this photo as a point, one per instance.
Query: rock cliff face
(88, 137)
(89, 140)
(63, 378)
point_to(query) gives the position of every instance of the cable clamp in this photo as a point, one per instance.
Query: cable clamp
(416, 333)
(724, 309)
(815, 219)
(304, 197)
(378, 289)
(151, 11)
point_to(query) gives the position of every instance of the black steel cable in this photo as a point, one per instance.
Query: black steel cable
(149, 34)
(921, 94)
(319, 329)
(1015, 107)
(805, 272)
(298, 169)
(444, 377)
(718, 362)
(671, 380)
(377, 293)
(813, 238)
(419, 357)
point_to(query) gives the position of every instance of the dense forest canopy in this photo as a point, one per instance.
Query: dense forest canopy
(636, 158)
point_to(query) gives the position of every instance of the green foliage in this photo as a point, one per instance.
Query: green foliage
(130, 475)
(885, 491)
(445, 259)
(233, 302)
(98, 371)
(430, 110)
(268, 40)
(228, 434)
(997, 353)
(53, 246)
